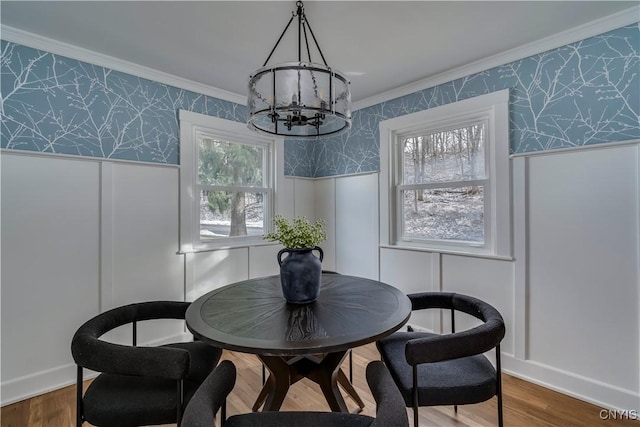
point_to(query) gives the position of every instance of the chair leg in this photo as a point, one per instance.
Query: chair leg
(415, 396)
(223, 412)
(180, 402)
(499, 386)
(351, 366)
(453, 331)
(79, 410)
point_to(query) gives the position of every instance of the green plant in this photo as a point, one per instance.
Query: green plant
(297, 234)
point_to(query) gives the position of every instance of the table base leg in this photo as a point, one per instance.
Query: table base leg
(351, 391)
(323, 371)
(275, 389)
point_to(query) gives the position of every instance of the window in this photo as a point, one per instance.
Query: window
(445, 178)
(226, 183)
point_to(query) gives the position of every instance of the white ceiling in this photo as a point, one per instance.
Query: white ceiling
(380, 45)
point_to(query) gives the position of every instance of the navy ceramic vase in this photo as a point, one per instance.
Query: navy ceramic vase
(300, 274)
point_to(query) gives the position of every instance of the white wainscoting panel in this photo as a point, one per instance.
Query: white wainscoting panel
(519, 173)
(284, 197)
(50, 281)
(145, 265)
(263, 260)
(411, 272)
(215, 269)
(325, 207)
(583, 266)
(357, 225)
(487, 279)
(145, 226)
(304, 199)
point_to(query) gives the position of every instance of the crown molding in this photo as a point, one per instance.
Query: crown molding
(590, 29)
(35, 41)
(603, 25)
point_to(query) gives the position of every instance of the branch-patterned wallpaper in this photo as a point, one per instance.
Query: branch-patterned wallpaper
(59, 105)
(584, 93)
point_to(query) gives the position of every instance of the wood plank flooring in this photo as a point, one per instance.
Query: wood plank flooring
(525, 404)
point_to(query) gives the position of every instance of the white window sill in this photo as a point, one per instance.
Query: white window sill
(448, 252)
(213, 248)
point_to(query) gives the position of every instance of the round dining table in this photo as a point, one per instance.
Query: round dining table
(299, 341)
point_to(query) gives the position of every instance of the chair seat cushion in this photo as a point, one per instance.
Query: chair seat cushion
(123, 400)
(306, 419)
(453, 382)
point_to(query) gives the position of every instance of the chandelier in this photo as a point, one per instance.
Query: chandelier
(299, 99)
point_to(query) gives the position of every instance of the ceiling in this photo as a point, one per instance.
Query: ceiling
(380, 45)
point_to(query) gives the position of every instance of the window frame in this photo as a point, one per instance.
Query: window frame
(494, 107)
(192, 127)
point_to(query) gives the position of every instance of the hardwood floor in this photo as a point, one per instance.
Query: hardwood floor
(525, 404)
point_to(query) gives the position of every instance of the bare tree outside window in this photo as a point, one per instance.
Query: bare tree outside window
(443, 178)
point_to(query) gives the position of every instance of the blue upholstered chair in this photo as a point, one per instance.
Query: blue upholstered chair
(137, 385)
(211, 396)
(449, 369)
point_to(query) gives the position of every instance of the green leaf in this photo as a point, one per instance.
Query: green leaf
(297, 234)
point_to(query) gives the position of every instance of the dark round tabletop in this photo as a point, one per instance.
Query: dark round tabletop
(253, 317)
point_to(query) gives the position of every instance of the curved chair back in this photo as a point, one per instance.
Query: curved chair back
(210, 397)
(477, 340)
(90, 352)
(464, 375)
(137, 385)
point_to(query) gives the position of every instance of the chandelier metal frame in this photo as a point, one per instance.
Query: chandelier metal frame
(299, 99)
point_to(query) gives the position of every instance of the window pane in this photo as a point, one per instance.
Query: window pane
(229, 163)
(230, 214)
(450, 155)
(444, 214)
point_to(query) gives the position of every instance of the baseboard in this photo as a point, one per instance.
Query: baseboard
(38, 383)
(31, 385)
(604, 395)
